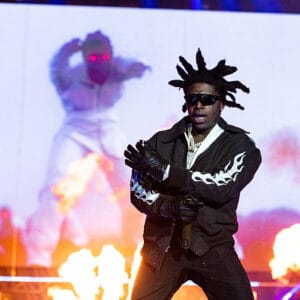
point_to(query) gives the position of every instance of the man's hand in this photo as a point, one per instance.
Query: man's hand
(186, 213)
(70, 48)
(184, 208)
(145, 159)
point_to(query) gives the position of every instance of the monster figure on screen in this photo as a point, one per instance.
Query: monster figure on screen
(187, 180)
(86, 177)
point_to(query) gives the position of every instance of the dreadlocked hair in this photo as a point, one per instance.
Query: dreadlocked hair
(213, 76)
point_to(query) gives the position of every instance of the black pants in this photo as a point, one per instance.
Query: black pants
(218, 272)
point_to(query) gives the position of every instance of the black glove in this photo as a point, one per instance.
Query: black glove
(145, 180)
(184, 209)
(145, 159)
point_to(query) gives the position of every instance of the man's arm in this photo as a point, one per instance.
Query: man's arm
(181, 208)
(60, 66)
(237, 168)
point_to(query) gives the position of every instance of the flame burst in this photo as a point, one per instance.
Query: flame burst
(57, 293)
(137, 259)
(79, 269)
(79, 173)
(112, 275)
(89, 275)
(286, 250)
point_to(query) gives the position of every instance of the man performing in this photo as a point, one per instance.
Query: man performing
(187, 180)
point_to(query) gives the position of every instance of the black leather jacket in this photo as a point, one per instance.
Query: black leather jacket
(216, 179)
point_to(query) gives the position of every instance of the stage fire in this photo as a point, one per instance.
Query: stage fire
(80, 172)
(91, 276)
(286, 262)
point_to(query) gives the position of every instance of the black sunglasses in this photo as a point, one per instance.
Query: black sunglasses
(205, 99)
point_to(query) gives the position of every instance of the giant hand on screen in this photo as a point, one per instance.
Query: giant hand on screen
(70, 47)
(124, 68)
(137, 70)
(145, 159)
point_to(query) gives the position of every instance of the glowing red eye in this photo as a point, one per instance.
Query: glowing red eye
(92, 57)
(105, 57)
(97, 57)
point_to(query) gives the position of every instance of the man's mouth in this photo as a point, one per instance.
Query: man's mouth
(198, 117)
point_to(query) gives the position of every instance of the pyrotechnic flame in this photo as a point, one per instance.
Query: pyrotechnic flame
(80, 270)
(79, 173)
(286, 250)
(88, 274)
(57, 293)
(112, 275)
(254, 295)
(137, 259)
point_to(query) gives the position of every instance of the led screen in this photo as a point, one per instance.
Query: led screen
(45, 127)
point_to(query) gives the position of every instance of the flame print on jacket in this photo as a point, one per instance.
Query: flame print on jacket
(140, 192)
(225, 176)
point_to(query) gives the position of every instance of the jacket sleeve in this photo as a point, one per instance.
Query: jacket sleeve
(143, 198)
(237, 165)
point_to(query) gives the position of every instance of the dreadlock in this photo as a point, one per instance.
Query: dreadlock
(213, 77)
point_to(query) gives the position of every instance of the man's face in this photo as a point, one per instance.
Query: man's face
(203, 115)
(97, 54)
(99, 66)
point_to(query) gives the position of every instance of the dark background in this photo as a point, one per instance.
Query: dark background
(266, 6)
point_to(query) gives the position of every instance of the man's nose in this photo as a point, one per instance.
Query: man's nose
(199, 104)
